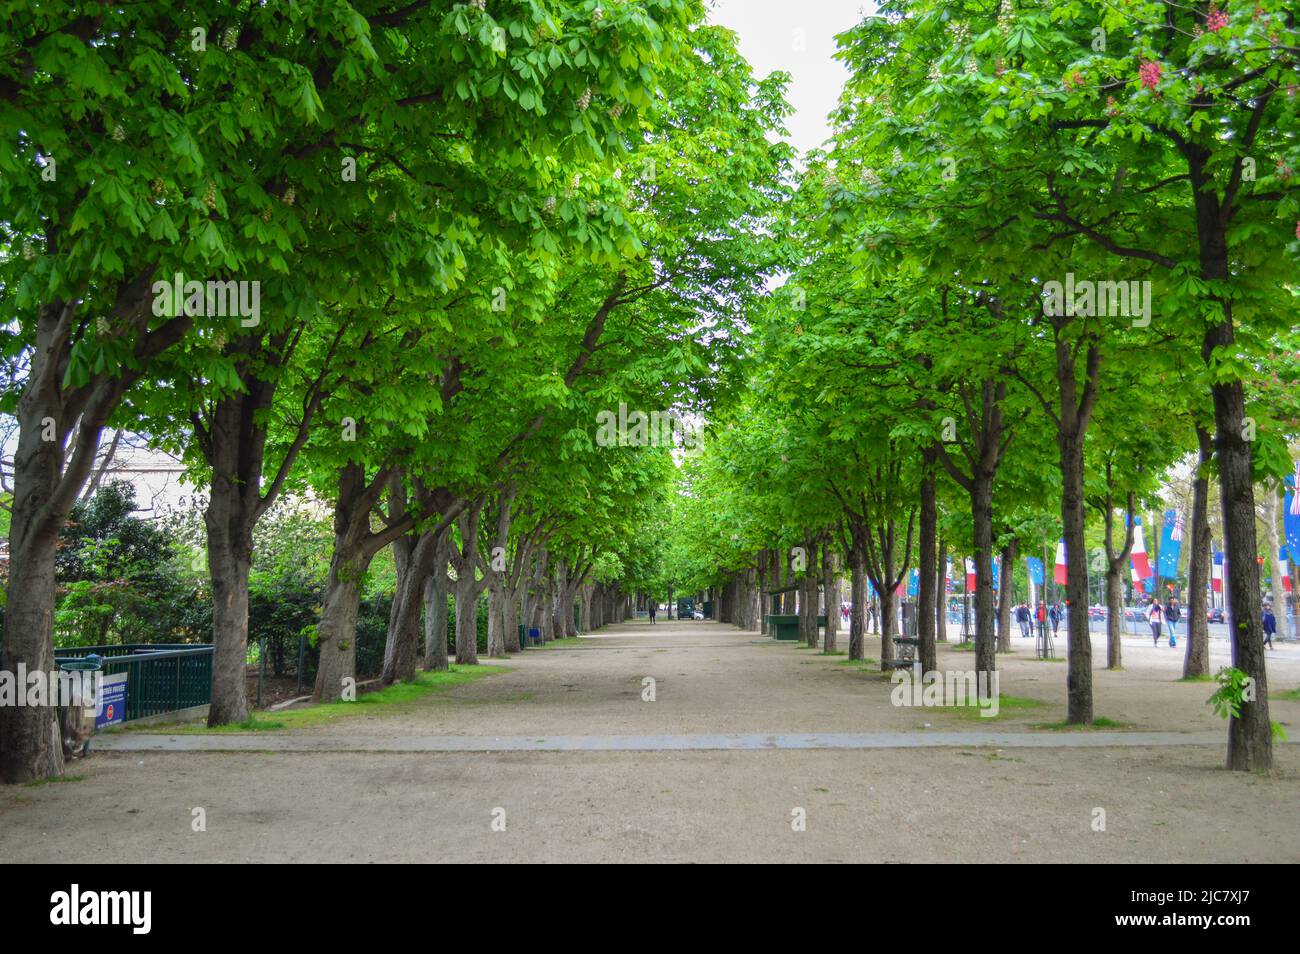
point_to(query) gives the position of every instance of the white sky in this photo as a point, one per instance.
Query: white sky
(797, 36)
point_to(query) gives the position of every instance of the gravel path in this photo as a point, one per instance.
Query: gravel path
(751, 751)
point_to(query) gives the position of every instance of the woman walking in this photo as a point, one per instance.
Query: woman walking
(1155, 616)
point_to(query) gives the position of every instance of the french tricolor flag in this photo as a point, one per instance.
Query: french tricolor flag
(970, 574)
(1216, 573)
(1141, 565)
(1285, 569)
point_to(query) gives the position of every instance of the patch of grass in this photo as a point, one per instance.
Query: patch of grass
(1292, 694)
(1100, 722)
(38, 782)
(424, 684)
(1206, 677)
(966, 647)
(865, 661)
(972, 710)
(1055, 659)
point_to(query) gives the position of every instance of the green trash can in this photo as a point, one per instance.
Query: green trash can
(523, 640)
(77, 721)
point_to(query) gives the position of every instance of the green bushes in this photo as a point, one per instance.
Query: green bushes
(122, 579)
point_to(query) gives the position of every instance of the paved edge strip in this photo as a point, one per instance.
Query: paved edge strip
(754, 741)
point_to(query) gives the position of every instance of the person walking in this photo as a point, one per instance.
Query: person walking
(1270, 625)
(1172, 615)
(654, 608)
(1054, 614)
(1155, 616)
(1022, 617)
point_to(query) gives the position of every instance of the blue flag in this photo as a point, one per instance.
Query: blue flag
(1035, 570)
(1171, 540)
(1291, 516)
(913, 581)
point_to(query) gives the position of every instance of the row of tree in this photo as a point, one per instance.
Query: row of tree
(1051, 252)
(431, 243)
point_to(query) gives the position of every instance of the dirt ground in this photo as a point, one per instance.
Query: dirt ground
(964, 804)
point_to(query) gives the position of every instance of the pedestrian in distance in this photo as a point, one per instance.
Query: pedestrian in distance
(653, 609)
(1270, 625)
(1022, 617)
(1155, 616)
(1172, 615)
(1054, 614)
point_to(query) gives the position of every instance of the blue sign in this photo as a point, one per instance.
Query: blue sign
(113, 697)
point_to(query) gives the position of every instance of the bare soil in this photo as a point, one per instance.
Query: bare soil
(943, 804)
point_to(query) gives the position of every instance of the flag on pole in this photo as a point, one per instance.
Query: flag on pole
(1291, 515)
(1284, 569)
(1171, 539)
(1060, 575)
(1141, 565)
(1216, 572)
(995, 573)
(970, 574)
(1035, 566)
(947, 575)
(913, 581)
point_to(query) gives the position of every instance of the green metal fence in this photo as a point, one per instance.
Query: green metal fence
(160, 678)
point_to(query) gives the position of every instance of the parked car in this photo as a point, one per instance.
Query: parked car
(1215, 615)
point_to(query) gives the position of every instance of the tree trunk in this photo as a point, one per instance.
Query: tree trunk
(941, 595)
(926, 595)
(354, 548)
(436, 588)
(1250, 737)
(1115, 564)
(48, 476)
(1006, 595)
(466, 622)
(30, 747)
(467, 588)
(336, 632)
(858, 611)
(1196, 661)
(1079, 677)
(402, 649)
(888, 610)
(230, 556)
(982, 519)
(831, 587)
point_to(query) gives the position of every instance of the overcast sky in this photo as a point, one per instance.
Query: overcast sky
(797, 36)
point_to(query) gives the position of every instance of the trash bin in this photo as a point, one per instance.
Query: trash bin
(523, 640)
(77, 714)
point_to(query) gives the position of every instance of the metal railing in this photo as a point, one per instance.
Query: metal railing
(160, 678)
